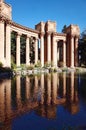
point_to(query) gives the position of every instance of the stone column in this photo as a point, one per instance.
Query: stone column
(18, 50)
(76, 52)
(54, 52)
(42, 49)
(72, 52)
(27, 51)
(8, 46)
(64, 53)
(36, 51)
(2, 41)
(48, 47)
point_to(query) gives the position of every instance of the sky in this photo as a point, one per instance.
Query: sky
(64, 12)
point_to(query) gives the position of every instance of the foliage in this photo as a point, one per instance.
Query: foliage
(23, 49)
(1, 65)
(30, 67)
(61, 64)
(82, 48)
(38, 65)
(23, 66)
(13, 46)
(32, 51)
(47, 65)
(13, 65)
(64, 29)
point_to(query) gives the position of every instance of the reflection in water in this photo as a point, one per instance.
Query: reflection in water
(42, 93)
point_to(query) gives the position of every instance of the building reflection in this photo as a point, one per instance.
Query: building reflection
(43, 93)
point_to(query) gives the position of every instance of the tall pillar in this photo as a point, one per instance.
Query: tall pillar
(8, 46)
(2, 41)
(54, 52)
(72, 52)
(18, 50)
(42, 49)
(27, 51)
(48, 47)
(36, 51)
(64, 53)
(76, 52)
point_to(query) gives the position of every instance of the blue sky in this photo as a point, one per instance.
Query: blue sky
(31, 12)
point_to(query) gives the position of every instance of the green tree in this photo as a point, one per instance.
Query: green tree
(82, 48)
(13, 47)
(64, 29)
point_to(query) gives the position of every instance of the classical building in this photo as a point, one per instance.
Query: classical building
(49, 45)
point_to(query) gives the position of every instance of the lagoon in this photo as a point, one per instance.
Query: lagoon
(54, 101)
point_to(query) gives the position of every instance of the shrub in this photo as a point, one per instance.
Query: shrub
(30, 67)
(13, 65)
(47, 65)
(1, 65)
(38, 64)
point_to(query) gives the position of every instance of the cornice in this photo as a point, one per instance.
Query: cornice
(60, 34)
(23, 27)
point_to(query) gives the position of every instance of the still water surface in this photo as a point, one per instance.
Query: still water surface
(54, 101)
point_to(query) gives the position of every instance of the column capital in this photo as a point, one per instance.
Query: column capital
(19, 34)
(57, 40)
(72, 36)
(48, 33)
(2, 19)
(64, 41)
(36, 38)
(28, 36)
(42, 34)
(77, 36)
(53, 34)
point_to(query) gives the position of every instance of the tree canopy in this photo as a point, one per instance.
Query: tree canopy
(82, 48)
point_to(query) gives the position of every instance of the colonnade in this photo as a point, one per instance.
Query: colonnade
(27, 49)
(49, 51)
(52, 48)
